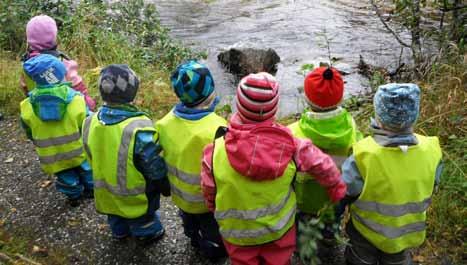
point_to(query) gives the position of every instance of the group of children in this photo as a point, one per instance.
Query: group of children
(239, 185)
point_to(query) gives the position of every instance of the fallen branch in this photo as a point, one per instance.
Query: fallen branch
(445, 9)
(27, 260)
(398, 38)
(5, 258)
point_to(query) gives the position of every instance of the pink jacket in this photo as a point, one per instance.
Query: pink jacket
(262, 151)
(71, 76)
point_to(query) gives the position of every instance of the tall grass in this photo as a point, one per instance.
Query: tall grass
(444, 113)
(97, 34)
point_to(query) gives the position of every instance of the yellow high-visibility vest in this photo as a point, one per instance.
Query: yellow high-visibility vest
(312, 197)
(183, 142)
(119, 188)
(391, 210)
(251, 212)
(57, 143)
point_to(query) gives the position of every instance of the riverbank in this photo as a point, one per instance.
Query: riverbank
(36, 223)
(33, 215)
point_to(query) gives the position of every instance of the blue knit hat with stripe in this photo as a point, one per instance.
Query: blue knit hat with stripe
(45, 70)
(192, 82)
(397, 105)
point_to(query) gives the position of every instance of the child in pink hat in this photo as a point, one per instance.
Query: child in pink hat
(41, 34)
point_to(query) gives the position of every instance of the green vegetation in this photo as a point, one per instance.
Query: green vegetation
(96, 34)
(18, 250)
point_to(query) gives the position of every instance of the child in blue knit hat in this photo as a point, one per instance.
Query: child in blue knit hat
(184, 132)
(52, 116)
(390, 180)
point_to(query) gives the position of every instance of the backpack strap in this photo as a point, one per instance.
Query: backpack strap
(56, 53)
(220, 132)
(52, 51)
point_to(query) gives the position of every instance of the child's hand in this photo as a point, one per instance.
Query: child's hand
(23, 86)
(337, 192)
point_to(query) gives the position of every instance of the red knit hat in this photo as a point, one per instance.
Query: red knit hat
(324, 88)
(257, 97)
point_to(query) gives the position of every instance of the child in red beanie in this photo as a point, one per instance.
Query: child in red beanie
(41, 35)
(332, 129)
(247, 177)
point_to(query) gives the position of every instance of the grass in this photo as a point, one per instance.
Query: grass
(17, 248)
(153, 55)
(10, 93)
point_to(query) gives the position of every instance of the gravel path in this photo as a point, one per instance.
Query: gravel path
(29, 203)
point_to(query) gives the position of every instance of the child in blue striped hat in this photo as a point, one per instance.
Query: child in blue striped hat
(390, 179)
(184, 132)
(52, 116)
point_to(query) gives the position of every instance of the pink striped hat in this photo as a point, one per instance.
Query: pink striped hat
(257, 97)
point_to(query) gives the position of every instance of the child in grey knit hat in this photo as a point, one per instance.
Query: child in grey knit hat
(390, 180)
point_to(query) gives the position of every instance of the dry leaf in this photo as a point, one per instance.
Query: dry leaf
(73, 222)
(102, 227)
(45, 183)
(9, 160)
(418, 258)
(36, 250)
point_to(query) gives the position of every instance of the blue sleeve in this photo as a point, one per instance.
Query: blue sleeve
(26, 128)
(351, 176)
(147, 157)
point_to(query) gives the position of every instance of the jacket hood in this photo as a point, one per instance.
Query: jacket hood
(329, 130)
(49, 103)
(259, 151)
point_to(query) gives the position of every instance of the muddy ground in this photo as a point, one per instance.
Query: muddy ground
(30, 206)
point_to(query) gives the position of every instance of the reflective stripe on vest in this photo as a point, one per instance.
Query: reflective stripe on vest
(391, 210)
(193, 198)
(251, 212)
(183, 176)
(390, 231)
(86, 125)
(61, 156)
(57, 140)
(252, 233)
(183, 142)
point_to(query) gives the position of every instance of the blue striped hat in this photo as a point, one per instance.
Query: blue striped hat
(192, 82)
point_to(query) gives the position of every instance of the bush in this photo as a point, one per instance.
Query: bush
(96, 34)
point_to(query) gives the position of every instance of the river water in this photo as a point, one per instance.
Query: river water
(295, 29)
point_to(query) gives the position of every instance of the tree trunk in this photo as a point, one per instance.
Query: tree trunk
(416, 33)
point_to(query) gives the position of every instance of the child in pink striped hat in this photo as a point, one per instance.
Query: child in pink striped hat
(247, 177)
(41, 35)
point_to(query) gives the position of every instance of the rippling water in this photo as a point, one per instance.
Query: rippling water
(293, 28)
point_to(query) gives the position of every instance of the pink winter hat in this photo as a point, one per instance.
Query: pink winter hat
(41, 33)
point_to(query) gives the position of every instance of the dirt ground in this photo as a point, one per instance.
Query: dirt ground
(31, 207)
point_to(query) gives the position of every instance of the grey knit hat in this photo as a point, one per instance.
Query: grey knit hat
(397, 106)
(118, 84)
